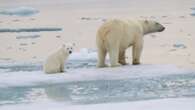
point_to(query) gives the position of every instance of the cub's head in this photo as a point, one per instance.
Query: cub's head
(152, 26)
(68, 48)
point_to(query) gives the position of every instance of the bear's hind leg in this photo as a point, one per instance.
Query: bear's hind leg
(114, 55)
(101, 58)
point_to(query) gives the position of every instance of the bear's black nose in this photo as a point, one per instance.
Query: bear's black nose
(70, 52)
(162, 29)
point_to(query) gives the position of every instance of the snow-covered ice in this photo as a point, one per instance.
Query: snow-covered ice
(162, 104)
(12, 79)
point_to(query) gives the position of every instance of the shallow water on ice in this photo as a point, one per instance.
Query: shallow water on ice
(25, 83)
(101, 91)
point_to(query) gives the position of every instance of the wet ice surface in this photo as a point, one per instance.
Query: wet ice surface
(19, 11)
(83, 83)
(89, 88)
(103, 91)
(41, 29)
(193, 12)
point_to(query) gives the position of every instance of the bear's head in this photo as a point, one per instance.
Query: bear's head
(68, 48)
(150, 26)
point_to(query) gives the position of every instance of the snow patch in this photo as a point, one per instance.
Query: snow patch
(160, 104)
(84, 54)
(11, 79)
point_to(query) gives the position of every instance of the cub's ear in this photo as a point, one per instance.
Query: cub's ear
(73, 44)
(146, 21)
(64, 45)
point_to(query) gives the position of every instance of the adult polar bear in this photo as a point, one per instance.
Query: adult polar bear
(116, 35)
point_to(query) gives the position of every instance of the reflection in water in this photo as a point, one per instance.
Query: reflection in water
(123, 90)
(58, 92)
(101, 91)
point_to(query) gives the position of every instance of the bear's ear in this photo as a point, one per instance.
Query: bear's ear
(146, 21)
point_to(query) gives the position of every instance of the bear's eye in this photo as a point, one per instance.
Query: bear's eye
(157, 23)
(67, 48)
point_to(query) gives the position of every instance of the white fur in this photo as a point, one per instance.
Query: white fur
(55, 61)
(116, 35)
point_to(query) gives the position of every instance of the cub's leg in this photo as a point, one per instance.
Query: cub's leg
(62, 67)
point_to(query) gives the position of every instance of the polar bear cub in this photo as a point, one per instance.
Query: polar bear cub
(116, 35)
(55, 61)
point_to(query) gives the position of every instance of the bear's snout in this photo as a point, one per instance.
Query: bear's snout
(162, 29)
(70, 52)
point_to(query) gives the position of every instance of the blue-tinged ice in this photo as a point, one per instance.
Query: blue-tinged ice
(19, 11)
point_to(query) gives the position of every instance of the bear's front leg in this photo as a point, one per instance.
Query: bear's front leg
(122, 59)
(137, 50)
